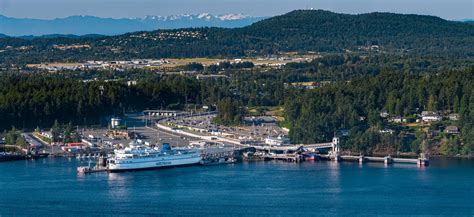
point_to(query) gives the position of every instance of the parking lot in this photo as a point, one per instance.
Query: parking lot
(253, 131)
(148, 134)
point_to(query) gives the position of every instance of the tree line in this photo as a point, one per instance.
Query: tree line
(317, 115)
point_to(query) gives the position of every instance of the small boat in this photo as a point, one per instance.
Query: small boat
(86, 169)
(83, 170)
(309, 157)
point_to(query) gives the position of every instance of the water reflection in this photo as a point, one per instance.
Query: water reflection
(118, 186)
(334, 176)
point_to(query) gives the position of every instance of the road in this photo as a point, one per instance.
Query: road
(32, 140)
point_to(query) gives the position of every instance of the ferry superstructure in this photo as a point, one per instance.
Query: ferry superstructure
(138, 157)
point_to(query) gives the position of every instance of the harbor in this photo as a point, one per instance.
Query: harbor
(222, 154)
(279, 187)
(160, 134)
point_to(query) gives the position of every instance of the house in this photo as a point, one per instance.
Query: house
(388, 131)
(383, 114)
(397, 119)
(429, 116)
(425, 113)
(453, 117)
(47, 134)
(451, 130)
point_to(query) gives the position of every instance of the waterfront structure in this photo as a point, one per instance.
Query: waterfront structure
(278, 141)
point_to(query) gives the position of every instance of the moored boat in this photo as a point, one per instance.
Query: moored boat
(138, 157)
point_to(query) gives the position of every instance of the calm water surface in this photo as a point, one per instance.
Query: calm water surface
(51, 187)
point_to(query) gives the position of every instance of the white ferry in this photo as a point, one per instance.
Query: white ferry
(138, 157)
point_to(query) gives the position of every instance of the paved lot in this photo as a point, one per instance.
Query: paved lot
(147, 134)
(143, 126)
(257, 132)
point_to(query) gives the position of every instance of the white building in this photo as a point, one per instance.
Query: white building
(47, 134)
(115, 123)
(280, 140)
(397, 119)
(452, 130)
(387, 131)
(429, 116)
(453, 117)
(384, 114)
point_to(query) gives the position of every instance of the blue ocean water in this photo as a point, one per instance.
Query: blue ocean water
(51, 187)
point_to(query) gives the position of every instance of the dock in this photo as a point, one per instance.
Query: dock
(301, 152)
(218, 155)
(421, 161)
(100, 166)
(285, 157)
(87, 170)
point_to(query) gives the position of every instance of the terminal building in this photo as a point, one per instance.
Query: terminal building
(277, 141)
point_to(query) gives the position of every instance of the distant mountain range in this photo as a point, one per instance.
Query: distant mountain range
(297, 31)
(86, 25)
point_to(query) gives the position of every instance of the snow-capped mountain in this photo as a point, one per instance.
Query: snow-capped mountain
(203, 16)
(83, 25)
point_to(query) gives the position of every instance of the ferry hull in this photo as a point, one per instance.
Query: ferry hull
(153, 164)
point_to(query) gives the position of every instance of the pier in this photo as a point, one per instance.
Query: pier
(100, 166)
(285, 157)
(214, 156)
(297, 153)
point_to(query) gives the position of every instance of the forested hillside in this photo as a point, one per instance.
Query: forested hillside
(39, 100)
(349, 93)
(302, 31)
(355, 105)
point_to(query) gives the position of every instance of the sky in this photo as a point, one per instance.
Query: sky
(49, 9)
